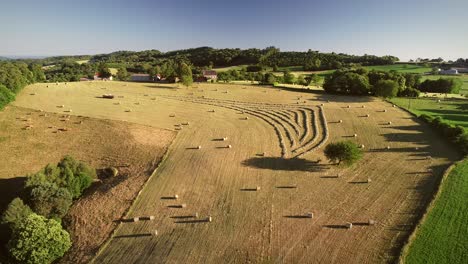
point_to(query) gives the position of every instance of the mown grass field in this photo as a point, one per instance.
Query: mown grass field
(454, 111)
(443, 236)
(404, 68)
(277, 139)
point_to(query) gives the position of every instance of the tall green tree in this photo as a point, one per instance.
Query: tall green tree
(386, 88)
(122, 74)
(344, 151)
(288, 77)
(38, 240)
(185, 73)
(15, 212)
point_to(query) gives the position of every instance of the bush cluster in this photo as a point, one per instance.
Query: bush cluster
(36, 233)
(455, 134)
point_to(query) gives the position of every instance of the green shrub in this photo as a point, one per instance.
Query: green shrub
(344, 151)
(6, 96)
(36, 239)
(386, 88)
(409, 92)
(49, 200)
(69, 173)
(15, 212)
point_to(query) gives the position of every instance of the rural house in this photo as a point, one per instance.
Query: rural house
(97, 77)
(210, 75)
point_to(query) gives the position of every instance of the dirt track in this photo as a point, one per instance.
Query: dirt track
(265, 225)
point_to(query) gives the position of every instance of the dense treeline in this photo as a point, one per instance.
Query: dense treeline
(360, 81)
(34, 219)
(14, 76)
(442, 85)
(271, 56)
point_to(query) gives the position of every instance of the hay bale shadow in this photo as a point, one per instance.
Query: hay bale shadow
(335, 226)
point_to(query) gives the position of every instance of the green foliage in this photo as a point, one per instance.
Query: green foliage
(301, 80)
(456, 134)
(185, 73)
(122, 74)
(38, 240)
(409, 92)
(347, 82)
(15, 212)
(288, 77)
(443, 236)
(345, 151)
(49, 200)
(69, 173)
(269, 78)
(103, 71)
(386, 88)
(442, 85)
(6, 96)
(254, 68)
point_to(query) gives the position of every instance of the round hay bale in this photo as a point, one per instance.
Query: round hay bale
(154, 233)
(349, 225)
(393, 105)
(389, 122)
(388, 147)
(310, 215)
(385, 110)
(257, 188)
(363, 106)
(416, 148)
(136, 219)
(367, 115)
(369, 180)
(355, 135)
(151, 217)
(320, 104)
(199, 147)
(183, 205)
(349, 106)
(340, 121)
(176, 196)
(371, 222)
(362, 146)
(229, 146)
(209, 219)
(196, 215)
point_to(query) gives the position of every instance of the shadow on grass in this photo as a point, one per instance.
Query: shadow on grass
(134, 235)
(192, 221)
(335, 226)
(276, 163)
(297, 216)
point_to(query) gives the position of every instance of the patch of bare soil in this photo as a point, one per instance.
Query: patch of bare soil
(31, 139)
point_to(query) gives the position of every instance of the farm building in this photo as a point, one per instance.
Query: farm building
(449, 72)
(141, 78)
(210, 75)
(462, 70)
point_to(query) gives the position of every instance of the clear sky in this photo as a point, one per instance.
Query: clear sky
(404, 28)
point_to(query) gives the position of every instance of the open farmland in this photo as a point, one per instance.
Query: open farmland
(276, 139)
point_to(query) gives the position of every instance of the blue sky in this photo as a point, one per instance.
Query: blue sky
(404, 28)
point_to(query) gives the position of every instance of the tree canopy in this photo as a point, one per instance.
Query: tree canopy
(344, 151)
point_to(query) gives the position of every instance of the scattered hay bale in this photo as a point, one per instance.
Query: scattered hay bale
(438, 101)
(340, 121)
(368, 115)
(355, 135)
(151, 217)
(212, 111)
(309, 215)
(228, 146)
(371, 222)
(362, 146)
(136, 219)
(246, 118)
(385, 110)
(175, 197)
(349, 225)
(257, 188)
(393, 105)
(209, 219)
(154, 233)
(137, 103)
(28, 127)
(349, 106)
(196, 215)
(185, 123)
(416, 148)
(369, 180)
(428, 157)
(320, 104)
(63, 129)
(178, 128)
(388, 147)
(108, 96)
(199, 147)
(69, 111)
(363, 106)
(60, 106)
(224, 138)
(389, 122)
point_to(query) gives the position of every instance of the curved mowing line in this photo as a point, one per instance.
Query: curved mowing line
(280, 120)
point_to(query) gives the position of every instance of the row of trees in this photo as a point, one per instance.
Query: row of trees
(270, 56)
(16, 75)
(360, 81)
(34, 218)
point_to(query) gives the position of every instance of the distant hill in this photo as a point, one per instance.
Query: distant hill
(4, 58)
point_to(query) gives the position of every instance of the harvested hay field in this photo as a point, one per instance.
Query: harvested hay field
(253, 201)
(135, 150)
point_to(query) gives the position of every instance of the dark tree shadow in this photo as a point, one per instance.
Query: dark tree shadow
(9, 190)
(277, 163)
(134, 235)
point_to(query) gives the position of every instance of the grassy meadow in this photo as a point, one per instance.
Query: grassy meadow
(443, 236)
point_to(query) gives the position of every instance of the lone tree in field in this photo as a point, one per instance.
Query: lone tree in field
(122, 74)
(345, 151)
(386, 88)
(185, 74)
(37, 239)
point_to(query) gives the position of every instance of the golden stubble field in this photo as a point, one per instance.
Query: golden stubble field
(277, 139)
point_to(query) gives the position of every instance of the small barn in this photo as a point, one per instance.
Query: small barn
(449, 72)
(140, 77)
(210, 75)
